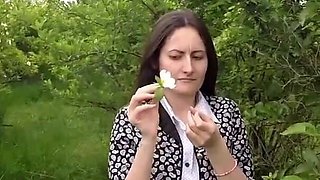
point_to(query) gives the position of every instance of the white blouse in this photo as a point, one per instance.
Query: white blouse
(190, 170)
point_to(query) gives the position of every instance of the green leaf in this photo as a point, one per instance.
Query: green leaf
(301, 168)
(293, 177)
(294, 26)
(301, 128)
(159, 93)
(308, 12)
(311, 158)
(274, 89)
(158, 79)
(315, 112)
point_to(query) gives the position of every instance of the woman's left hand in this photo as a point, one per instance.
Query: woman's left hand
(201, 130)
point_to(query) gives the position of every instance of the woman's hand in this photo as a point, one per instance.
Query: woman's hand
(143, 111)
(201, 130)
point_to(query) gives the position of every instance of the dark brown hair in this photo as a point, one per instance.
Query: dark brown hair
(163, 28)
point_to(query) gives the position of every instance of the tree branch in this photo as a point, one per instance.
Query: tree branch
(41, 175)
(91, 104)
(155, 14)
(7, 125)
(80, 56)
(282, 122)
(84, 18)
(132, 53)
(101, 105)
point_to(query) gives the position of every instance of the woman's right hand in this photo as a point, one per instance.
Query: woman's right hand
(143, 111)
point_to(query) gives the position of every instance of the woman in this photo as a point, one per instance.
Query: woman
(190, 133)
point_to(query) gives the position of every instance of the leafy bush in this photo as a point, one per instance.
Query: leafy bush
(51, 140)
(87, 54)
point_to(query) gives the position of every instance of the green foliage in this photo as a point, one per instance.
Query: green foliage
(308, 167)
(269, 55)
(88, 54)
(47, 134)
(302, 128)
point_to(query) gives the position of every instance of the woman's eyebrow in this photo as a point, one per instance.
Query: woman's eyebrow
(179, 51)
(197, 51)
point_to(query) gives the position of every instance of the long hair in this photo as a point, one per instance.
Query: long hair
(163, 28)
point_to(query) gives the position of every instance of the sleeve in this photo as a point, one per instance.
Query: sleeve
(241, 149)
(122, 147)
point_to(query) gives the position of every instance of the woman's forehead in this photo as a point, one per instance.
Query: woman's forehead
(186, 38)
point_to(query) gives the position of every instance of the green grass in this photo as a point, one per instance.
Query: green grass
(51, 140)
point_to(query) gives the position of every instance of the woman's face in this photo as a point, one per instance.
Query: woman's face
(184, 55)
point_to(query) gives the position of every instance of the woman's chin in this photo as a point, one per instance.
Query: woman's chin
(184, 91)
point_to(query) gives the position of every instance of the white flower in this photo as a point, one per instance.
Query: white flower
(4, 24)
(28, 63)
(166, 80)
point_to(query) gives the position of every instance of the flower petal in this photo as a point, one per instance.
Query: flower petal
(163, 74)
(169, 83)
(166, 80)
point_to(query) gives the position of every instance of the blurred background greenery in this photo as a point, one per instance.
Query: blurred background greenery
(65, 69)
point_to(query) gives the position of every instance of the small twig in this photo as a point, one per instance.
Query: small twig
(295, 36)
(84, 18)
(264, 148)
(132, 53)
(101, 105)
(299, 102)
(283, 122)
(152, 11)
(316, 62)
(2, 176)
(91, 104)
(279, 45)
(256, 51)
(289, 65)
(286, 84)
(7, 125)
(81, 56)
(41, 175)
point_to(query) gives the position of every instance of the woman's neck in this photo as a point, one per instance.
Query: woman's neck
(180, 104)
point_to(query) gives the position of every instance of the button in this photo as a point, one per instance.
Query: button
(187, 164)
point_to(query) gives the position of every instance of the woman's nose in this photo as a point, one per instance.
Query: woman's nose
(187, 65)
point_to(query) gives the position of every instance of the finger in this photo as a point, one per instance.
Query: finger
(144, 107)
(197, 119)
(137, 99)
(150, 88)
(192, 109)
(191, 124)
(204, 123)
(193, 137)
(202, 115)
(200, 124)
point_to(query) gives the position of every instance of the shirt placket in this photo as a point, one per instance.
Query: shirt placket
(190, 168)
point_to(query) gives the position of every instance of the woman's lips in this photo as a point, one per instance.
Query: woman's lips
(186, 79)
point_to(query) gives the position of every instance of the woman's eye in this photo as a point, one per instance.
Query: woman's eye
(174, 57)
(197, 57)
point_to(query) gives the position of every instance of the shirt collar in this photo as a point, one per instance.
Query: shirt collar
(202, 106)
